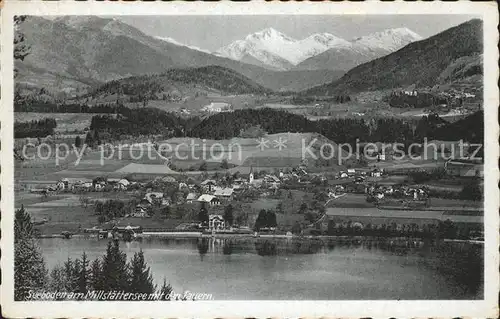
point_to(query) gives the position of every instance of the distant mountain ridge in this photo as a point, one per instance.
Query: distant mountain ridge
(174, 41)
(453, 56)
(276, 50)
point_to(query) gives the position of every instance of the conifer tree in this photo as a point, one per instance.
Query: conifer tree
(165, 290)
(95, 275)
(23, 227)
(21, 50)
(271, 219)
(228, 215)
(78, 141)
(57, 279)
(114, 268)
(96, 138)
(30, 272)
(203, 215)
(89, 139)
(141, 279)
(83, 275)
(69, 275)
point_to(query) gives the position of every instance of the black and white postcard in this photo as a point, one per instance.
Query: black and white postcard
(203, 160)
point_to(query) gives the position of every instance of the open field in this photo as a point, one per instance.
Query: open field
(316, 111)
(247, 151)
(142, 155)
(289, 107)
(409, 164)
(443, 203)
(353, 109)
(350, 200)
(63, 211)
(146, 169)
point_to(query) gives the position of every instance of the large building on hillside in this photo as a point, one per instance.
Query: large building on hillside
(217, 107)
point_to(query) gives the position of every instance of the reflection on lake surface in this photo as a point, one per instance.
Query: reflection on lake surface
(247, 268)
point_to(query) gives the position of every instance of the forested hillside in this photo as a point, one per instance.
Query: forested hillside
(181, 82)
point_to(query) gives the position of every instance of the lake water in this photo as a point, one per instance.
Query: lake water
(241, 269)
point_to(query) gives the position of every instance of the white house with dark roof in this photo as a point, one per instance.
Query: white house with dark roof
(224, 193)
(209, 199)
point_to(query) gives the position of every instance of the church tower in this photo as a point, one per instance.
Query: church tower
(250, 176)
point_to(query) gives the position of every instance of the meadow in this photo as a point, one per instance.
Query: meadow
(63, 211)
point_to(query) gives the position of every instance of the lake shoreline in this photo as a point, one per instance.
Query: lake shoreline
(188, 235)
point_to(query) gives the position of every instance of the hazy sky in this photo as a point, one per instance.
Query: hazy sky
(212, 32)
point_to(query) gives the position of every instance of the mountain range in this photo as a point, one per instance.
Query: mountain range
(275, 50)
(79, 52)
(86, 52)
(452, 57)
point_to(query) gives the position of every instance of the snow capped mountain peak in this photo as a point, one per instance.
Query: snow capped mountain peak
(328, 40)
(404, 31)
(390, 39)
(270, 46)
(269, 33)
(279, 51)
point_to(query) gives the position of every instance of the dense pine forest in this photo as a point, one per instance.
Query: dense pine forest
(40, 106)
(151, 121)
(35, 128)
(137, 122)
